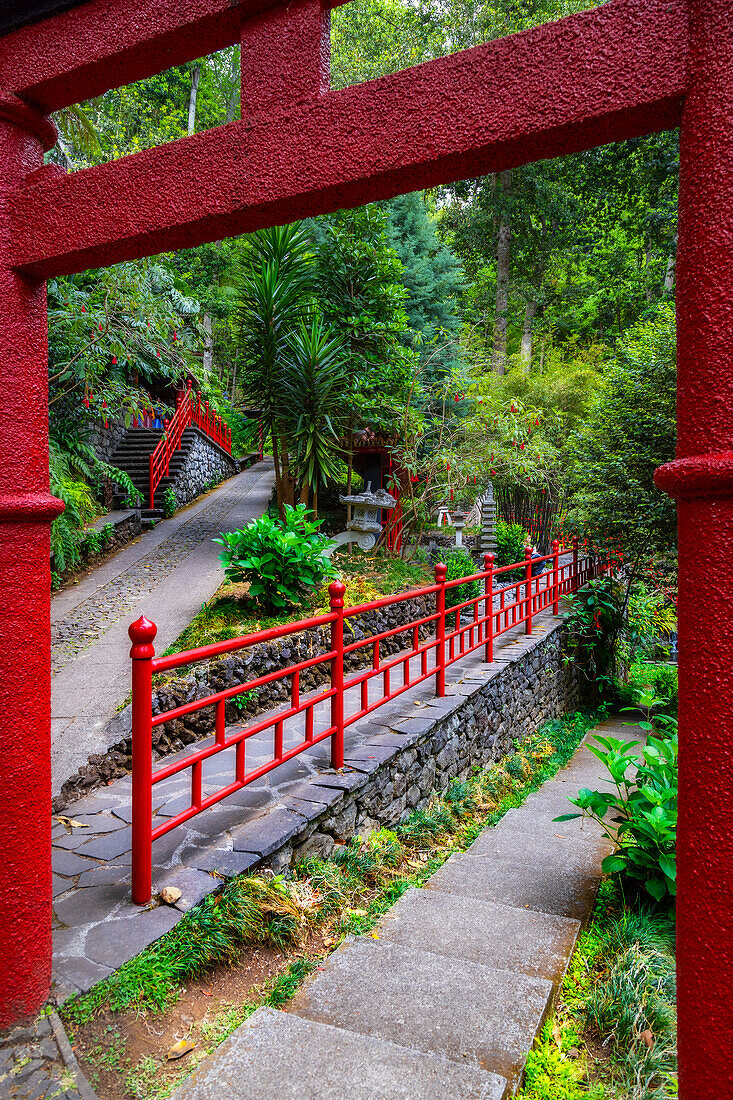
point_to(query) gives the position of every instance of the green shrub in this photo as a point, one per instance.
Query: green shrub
(169, 502)
(660, 677)
(460, 564)
(509, 543)
(644, 806)
(282, 561)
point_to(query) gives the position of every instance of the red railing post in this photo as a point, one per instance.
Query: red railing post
(528, 587)
(151, 481)
(440, 572)
(574, 575)
(489, 605)
(336, 590)
(142, 634)
(556, 577)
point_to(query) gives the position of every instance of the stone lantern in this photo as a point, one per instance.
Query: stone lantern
(459, 522)
(365, 527)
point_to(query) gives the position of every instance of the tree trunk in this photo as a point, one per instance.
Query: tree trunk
(525, 351)
(234, 91)
(669, 274)
(208, 361)
(278, 475)
(503, 255)
(195, 77)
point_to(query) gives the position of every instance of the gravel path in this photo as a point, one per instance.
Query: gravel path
(166, 574)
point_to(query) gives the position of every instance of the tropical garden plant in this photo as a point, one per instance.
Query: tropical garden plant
(282, 561)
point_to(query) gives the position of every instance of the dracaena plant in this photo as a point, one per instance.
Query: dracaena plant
(642, 812)
(282, 561)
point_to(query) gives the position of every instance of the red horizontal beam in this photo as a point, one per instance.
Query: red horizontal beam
(606, 75)
(104, 44)
(107, 43)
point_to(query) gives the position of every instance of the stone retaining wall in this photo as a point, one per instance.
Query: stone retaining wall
(206, 465)
(415, 757)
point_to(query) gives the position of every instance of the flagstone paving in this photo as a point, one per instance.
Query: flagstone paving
(167, 574)
(96, 925)
(447, 996)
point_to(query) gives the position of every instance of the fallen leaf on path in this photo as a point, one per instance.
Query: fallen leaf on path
(70, 823)
(179, 1049)
(648, 1038)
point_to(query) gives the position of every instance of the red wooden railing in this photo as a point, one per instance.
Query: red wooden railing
(470, 625)
(190, 410)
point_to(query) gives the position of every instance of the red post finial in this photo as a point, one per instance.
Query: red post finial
(440, 571)
(142, 635)
(489, 561)
(336, 592)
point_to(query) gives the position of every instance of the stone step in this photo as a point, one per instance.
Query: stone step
(508, 938)
(284, 1057)
(465, 1011)
(526, 845)
(528, 885)
(541, 819)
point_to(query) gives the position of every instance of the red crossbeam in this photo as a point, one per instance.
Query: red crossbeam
(482, 110)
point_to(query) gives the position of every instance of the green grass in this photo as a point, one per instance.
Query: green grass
(619, 995)
(344, 894)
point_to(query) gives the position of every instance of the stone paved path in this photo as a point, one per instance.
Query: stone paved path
(167, 574)
(97, 927)
(445, 1001)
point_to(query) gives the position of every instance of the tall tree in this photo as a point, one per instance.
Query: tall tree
(434, 280)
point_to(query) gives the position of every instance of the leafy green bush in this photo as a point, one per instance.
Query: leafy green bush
(460, 564)
(660, 677)
(281, 560)
(594, 622)
(643, 807)
(509, 542)
(169, 502)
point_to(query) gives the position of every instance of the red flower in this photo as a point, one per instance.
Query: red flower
(114, 358)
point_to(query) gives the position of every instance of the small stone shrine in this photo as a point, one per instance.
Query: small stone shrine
(365, 526)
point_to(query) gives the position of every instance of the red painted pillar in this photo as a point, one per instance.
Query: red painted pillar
(701, 479)
(26, 511)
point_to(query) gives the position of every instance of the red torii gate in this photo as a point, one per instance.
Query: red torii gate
(625, 69)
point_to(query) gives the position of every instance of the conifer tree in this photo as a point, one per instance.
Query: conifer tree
(434, 279)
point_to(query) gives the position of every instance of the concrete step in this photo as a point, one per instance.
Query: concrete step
(533, 886)
(525, 844)
(459, 927)
(465, 1011)
(284, 1057)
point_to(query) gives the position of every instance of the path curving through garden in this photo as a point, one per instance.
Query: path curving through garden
(166, 574)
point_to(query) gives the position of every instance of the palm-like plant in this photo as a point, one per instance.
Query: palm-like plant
(314, 387)
(271, 290)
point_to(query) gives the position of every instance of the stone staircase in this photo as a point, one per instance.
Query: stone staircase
(132, 455)
(445, 999)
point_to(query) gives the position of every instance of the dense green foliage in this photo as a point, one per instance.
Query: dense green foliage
(460, 564)
(282, 560)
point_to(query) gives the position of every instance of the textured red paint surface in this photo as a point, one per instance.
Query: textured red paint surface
(702, 481)
(25, 512)
(605, 75)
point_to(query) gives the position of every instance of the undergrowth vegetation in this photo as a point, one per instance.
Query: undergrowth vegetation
(308, 914)
(613, 1034)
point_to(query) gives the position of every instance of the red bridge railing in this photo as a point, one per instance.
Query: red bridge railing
(436, 641)
(191, 410)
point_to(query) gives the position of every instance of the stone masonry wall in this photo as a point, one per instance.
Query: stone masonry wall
(104, 441)
(205, 466)
(418, 756)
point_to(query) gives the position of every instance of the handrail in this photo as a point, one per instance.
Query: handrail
(437, 638)
(188, 412)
